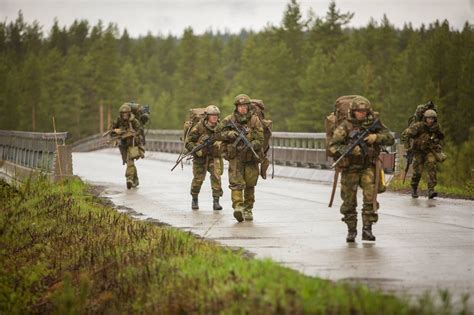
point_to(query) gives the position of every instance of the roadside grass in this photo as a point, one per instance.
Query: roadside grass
(464, 192)
(64, 251)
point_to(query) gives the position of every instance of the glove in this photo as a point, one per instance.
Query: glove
(371, 138)
(199, 153)
(232, 135)
(118, 131)
(356, 151)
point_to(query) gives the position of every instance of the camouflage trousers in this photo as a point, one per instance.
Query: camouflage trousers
(243, 177)
(131, 170)
(350, 181)
(420, 160)
(215, 168)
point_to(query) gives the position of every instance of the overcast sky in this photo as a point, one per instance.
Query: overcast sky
(172, 16)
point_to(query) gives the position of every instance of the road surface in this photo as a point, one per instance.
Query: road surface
(422, 245)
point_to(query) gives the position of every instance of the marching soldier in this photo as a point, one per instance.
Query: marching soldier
(358, 169)
(207, 159)
(127, 130)
(427, 150)
(241, 143)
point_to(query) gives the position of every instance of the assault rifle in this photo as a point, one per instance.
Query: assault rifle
(356, 138)
(206, 143)
(242, 138)
(409, 158)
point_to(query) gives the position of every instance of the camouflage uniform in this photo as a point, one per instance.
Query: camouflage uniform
(142, 114)
(358, 170)
(210, 161)
(427, 151)
(129, 125)
(243, 165)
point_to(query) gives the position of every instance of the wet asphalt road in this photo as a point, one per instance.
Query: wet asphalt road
(422, 245)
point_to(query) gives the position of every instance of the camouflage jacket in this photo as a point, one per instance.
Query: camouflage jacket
(131, 125)
(425, 138)
(201, 131)
(341, 139)
(254, 133)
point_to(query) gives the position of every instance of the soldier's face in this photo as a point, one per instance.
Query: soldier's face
(125, 115)
(212, 119)
(360, 114)
(430, 121)
(242, 109)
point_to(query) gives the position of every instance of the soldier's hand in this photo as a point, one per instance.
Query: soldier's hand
(232, 135)
(371, 138)
(199, 153)
(356, 151)
(118, 131)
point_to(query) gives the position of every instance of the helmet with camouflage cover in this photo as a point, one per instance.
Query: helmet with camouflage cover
(430, 114)
(125, 108)
(212, 110)
(242, 99)
(360, 103)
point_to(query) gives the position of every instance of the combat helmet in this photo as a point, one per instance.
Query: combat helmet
(212, 110)
(242, 99)
(430, 114)
(360, 103)
(125, 108)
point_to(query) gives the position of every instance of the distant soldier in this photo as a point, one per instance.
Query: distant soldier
(207, 159)
(426, 148)
(142, 114)
(358, 169)
(243, 143)
(127, 131)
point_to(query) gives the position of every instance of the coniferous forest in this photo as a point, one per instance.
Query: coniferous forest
(298, 68)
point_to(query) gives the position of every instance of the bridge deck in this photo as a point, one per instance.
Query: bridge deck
(421, 244)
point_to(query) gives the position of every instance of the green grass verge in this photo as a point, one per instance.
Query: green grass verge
(64, 251)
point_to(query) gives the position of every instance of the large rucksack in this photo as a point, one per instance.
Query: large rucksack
(341, 112)
(195, 115)
(258, 108)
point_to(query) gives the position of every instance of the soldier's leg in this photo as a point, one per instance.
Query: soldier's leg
(215, 171)
(130, 173)
(369, 213)
(418, 162)
(236, 185)
(432, 172)
(199, 174)
(123, 153)
(251, 178)
(349, 183)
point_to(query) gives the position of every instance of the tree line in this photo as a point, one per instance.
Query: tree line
(298, 68)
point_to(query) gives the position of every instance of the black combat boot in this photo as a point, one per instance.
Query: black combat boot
(216, 205)
(432, 193)
(367, 233)
(351, 235)
(194, 203)
(414, 191)
(129, 183)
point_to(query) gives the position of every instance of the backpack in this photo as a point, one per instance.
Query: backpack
(258, 108)
(195, 115)
(141, 112)
(340, 113)
(420, 111)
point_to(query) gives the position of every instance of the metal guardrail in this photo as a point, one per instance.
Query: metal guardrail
(22, 153)
(300, 149)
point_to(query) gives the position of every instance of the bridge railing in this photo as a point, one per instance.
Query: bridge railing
(300, 149)
(24, 153)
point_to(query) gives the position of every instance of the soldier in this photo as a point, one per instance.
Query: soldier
(127, 128)
(359, 169)
(243, 164)
(142, 114)
(427, 149)
(207, 159)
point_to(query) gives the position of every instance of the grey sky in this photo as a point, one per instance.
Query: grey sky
(166, 16)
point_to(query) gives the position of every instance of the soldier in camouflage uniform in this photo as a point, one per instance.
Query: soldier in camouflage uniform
(358, 169)
(142, 114)
(128, 128)
(207, 159)
(427, 150)
(243, 165)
